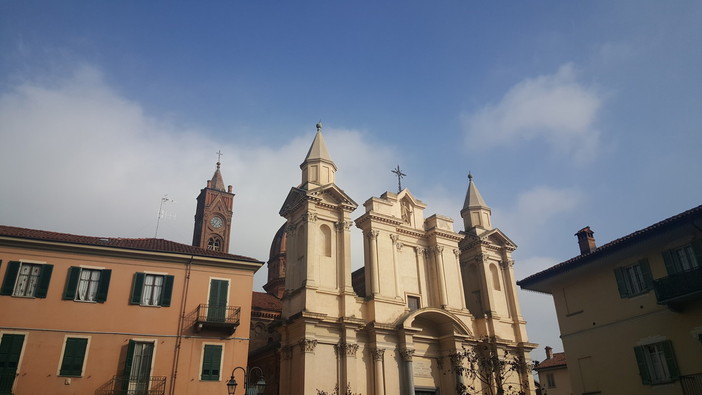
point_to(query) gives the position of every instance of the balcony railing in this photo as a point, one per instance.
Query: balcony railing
(679, 287)
(692, 384)
(217, 317)
(123, 385)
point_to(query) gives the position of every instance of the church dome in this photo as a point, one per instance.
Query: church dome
(279, 244)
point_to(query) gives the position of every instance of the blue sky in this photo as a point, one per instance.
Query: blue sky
(567, 113)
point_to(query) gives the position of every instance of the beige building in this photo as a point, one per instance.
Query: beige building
(91, 315)
(398, 324)
(553, 374)
(630, 311)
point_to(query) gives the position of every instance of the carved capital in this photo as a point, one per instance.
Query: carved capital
(456, 252)
(345, 349)
(456, 359)
(309, 217)
(480, 258)
(399, 245)
(377, 353)
(307, 345)
(394, 238)
(343, 225)
(406, 354)
(421, 251)
(439, 249)
(372, 234)
(506, 263)
(290, 230)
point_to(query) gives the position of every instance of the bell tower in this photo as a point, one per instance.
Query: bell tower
(213, 216)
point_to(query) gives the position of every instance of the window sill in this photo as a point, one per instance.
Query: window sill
(76, 376)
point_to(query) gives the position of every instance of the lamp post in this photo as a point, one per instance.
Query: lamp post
(260, 385)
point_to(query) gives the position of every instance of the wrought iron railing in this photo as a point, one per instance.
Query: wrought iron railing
(678, 286)
(217, 317)
(125, 385)
(692, 384)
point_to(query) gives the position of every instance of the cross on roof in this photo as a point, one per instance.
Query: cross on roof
(399, 174)
(219, 155)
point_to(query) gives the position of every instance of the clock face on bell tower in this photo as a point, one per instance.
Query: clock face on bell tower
(213, 215)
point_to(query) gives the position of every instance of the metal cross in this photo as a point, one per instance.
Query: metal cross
(219, 155)
(399, 174)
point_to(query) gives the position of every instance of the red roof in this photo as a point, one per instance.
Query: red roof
(145, 244)
(266, 301)
(558, 360)
(623, 242)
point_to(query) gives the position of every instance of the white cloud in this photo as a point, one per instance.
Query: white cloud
(537, 207)
(556, 108)
(78, 158)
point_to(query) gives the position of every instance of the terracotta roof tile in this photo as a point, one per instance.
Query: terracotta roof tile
(612, 246)
(558, 360)
(266, 301)
(143, 244)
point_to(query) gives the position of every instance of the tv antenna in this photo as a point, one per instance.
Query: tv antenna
(161, 212)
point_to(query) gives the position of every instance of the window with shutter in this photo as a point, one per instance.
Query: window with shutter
(211, 362)
(87, 284)
(152, 289)
(26, 279)
(634, 279)
(681, 259)
(73, 356)
(657, 363)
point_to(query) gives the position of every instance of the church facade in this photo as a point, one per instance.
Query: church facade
(402, 322)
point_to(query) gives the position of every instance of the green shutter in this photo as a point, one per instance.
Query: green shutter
(697, 248)
(646, 272)
(8, 283)
(73, 356)
(137, 288)
(211, 362)
(128, 360)
(69, 293)
(671, 264)
(670, 359)
(621, 282)
(643, 367)
(167, 291)
(103, 285)
(44, 279)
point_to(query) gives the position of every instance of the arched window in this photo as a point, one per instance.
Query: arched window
(214, 243)
(326, 240)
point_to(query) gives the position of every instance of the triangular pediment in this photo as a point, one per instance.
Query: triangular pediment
(406, 195)
(332, 194)
(295, 197)
(497, 237)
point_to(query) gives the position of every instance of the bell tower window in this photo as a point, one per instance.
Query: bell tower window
(214, 243)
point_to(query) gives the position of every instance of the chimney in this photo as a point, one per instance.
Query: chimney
(586, 241)
(549, 352)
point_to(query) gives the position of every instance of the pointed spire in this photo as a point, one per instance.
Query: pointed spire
(318, 149)
(473, 197)
(318, 168)
(475, 212)
(216, 182)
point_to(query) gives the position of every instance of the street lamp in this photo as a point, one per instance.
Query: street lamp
(260, 385)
